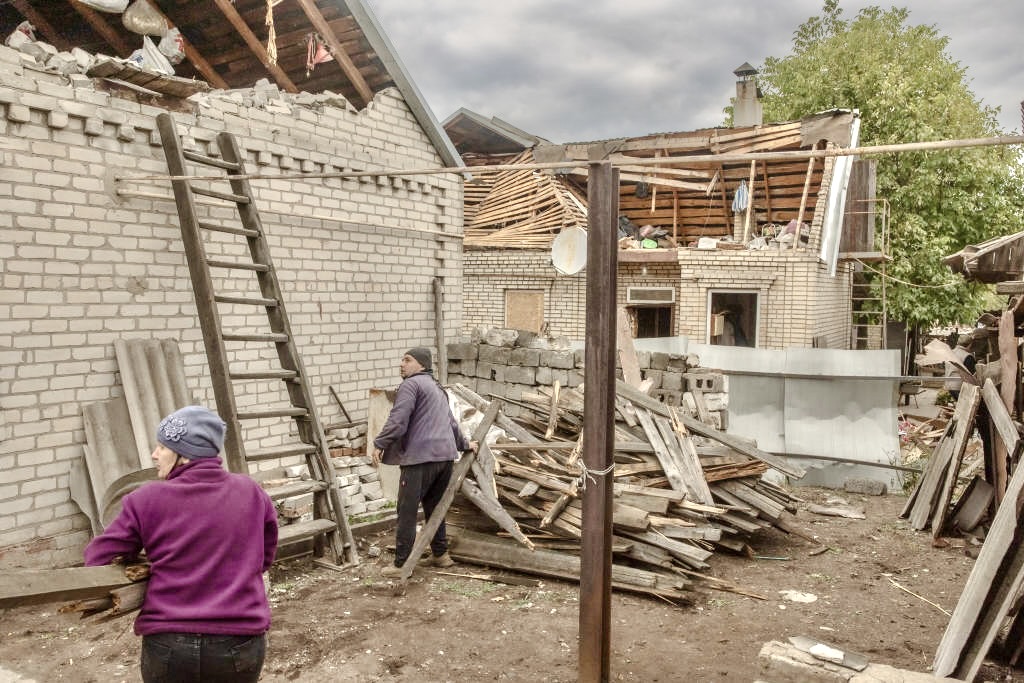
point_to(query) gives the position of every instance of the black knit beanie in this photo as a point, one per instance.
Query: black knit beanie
(422, 356)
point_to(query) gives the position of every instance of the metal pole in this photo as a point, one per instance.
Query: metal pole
(598, 424)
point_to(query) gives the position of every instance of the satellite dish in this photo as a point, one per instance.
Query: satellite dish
(569, 251)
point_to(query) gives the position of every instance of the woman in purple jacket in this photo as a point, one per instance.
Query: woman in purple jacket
(422, 436)
(208, 535)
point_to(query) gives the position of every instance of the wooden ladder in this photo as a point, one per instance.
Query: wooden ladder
(251, 267)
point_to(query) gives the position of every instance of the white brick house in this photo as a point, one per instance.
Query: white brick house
(87, 258)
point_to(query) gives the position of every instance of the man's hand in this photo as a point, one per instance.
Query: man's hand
(474, 446)
(377, 454)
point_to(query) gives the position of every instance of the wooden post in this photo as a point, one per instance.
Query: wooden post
(599, 418)
(750, 200)
(441, 366)
(803, 200)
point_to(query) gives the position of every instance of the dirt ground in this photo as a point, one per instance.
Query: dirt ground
(880, 590)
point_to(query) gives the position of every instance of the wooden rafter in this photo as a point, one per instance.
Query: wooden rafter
(194, 56)
(337, 51)
(100, 25)
(42, 25)
(232, 15)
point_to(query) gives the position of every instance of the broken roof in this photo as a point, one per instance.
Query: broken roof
(226, 44)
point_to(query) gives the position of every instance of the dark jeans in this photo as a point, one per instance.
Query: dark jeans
(199, 658)
(424, 483)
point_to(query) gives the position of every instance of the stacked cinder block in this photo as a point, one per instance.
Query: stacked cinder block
(505, 363)
(359, 481)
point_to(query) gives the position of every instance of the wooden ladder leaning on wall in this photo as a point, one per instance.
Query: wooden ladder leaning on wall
(251, 265)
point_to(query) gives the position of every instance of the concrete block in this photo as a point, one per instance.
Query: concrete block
(496, 355)
(659, 360)
(525, 357)
(655, 376)
(672, 381)
(670, 398)
(704, 381)
(296, 506)
(516, 374)
(462, 351)
(559, 360)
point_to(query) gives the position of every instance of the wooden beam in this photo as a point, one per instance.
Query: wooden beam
(598, 433)
(37, 586)
(100, 25)
(44, 27)
(337, 51)
(803, 199)
(194, 56)
(232, 15)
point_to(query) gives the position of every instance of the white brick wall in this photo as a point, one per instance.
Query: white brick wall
(83, 266)
(798, 300)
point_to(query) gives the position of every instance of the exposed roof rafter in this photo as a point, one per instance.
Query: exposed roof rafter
(194, 56)
(232, 15)
(337, 51)
(99, 24)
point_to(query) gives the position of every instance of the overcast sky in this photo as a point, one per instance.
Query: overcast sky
(579, 70)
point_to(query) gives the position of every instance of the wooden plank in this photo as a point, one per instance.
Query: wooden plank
(921, 503)
(697, 427)
(194, 56)
(963, 416)
(1006, 428)
(49, 33)
(626, 351)
(38, 586)
(964, 645)
(676, 477)
(693, 475)
(479, 549)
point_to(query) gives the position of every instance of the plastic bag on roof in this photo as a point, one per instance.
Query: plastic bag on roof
(25, 33)
(144, 19)
(115, 6)
(172, 46)
(150, 58)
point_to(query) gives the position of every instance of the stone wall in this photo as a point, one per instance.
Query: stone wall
(89, 257)
(507, 363)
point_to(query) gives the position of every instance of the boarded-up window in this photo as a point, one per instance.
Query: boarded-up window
(524, 309)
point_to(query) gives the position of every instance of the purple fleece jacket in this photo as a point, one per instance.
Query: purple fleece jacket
(208, 535)
(420, 427)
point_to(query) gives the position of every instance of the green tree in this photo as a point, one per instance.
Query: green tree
(907, 89)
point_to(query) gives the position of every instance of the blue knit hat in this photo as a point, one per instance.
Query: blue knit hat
(192, 432)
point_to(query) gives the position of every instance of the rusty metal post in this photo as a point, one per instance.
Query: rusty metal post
(599, 423)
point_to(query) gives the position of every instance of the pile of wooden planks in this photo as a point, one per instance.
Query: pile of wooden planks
(682, 491)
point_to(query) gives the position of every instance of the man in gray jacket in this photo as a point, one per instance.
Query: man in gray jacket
(423, 438)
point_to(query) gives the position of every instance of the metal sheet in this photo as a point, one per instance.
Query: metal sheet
(810, 402)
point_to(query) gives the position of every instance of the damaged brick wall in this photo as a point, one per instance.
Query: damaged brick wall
(85, 264)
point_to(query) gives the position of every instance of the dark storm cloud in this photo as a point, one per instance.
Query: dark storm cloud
(594, 69)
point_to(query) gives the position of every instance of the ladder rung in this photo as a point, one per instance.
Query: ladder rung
(274, 337)
(225, 228)
(280, 412)
(292, 533)
(267, 374)
(227, 196)
(282, 452)
(257, 301)
(258, 267)
(209, 161)
(297, 489)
